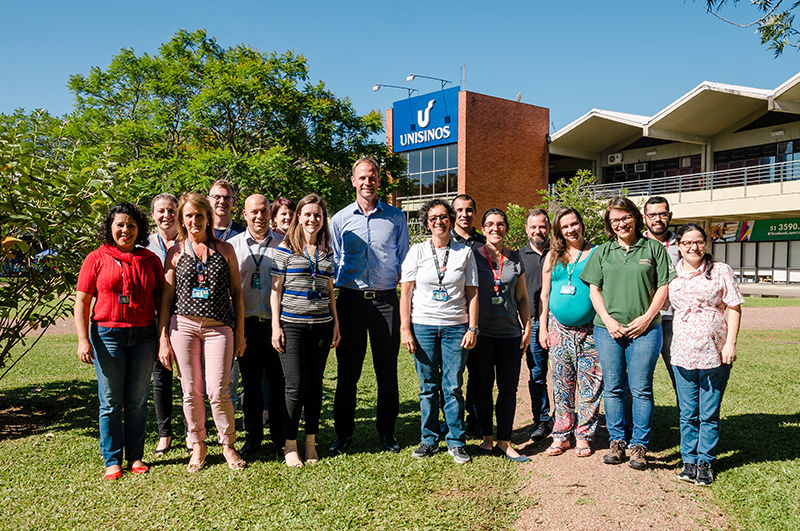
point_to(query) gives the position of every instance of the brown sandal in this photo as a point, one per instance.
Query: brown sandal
(557, 448)
(583, 451)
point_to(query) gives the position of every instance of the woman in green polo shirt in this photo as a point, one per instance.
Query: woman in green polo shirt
(628, 279)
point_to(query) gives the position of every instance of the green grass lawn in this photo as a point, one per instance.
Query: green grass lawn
(758, 471)
(770, 302)
(52, 478)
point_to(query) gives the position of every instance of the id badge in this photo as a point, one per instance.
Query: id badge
(497, 300)
(314, 295)
(440, 295)
(200, 293)
(255, 280)
(124, 299)
(568, 290)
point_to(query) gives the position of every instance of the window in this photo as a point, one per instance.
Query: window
(434, 173)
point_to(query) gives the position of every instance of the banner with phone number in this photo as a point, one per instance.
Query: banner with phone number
(762, 230)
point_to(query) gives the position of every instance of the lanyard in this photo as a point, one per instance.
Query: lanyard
(201, 265)
(573, 264)
(259, 259)
(314, 267)
(499, 273)
(163, 246)
(440, 270)
(124, 276)
(227, 231)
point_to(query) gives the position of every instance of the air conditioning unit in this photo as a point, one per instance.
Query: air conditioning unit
(615, 158)
(640, 167)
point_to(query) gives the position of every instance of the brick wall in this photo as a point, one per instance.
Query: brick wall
(502, 151)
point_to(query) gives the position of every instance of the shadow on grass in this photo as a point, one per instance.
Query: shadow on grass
(55, 406)
(758, 438)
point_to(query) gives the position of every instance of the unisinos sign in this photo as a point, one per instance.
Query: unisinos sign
(425, 121)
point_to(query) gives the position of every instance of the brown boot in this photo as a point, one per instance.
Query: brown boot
(616, 453)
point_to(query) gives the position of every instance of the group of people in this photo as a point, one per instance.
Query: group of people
(203, 291)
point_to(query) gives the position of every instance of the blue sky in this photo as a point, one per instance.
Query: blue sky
(634, 56)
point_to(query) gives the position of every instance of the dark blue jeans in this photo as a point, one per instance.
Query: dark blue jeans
(439, 352)
(123, 362)
(536, 358)
(700, 396)
(629, 363)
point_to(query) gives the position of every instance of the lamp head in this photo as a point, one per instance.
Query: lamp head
(410, 77)
(376, 88)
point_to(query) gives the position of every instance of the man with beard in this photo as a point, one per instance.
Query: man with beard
(537, 227)
(657, 217)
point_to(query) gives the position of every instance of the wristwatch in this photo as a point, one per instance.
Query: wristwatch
(473, 329)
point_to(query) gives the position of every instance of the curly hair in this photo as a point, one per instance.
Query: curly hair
(127, 209)
(423, 212)
(626, 205)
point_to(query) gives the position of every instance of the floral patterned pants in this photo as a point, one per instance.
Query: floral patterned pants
(577, 380)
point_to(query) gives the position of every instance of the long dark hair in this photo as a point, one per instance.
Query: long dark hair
(628, 206)
(558, 245)
(708, 260)
(128, 209)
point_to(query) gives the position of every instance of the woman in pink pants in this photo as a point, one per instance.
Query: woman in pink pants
(201, 330)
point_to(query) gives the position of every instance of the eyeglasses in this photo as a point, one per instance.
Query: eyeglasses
(224, 198)
(688, 245)
(442, 217)
(655, 215)
(625, 219)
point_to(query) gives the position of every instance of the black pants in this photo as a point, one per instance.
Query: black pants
(162, 398)
(500, 356)
(381, 318)
(259, 358)
(304, 359)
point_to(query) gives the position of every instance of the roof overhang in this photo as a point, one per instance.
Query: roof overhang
(787, 97)
(595, 132)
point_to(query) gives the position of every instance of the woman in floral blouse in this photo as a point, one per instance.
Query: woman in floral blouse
(703, 348)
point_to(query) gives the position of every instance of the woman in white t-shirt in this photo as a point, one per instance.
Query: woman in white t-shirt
(438, 324)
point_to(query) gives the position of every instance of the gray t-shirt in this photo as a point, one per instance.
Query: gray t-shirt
(498, 320)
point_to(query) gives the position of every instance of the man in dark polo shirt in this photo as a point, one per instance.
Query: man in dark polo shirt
(537, 226)
(464, 232)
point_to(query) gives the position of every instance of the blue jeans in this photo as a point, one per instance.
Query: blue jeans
(439, 348)
(123, 362)
(536, 358)
(700, 395)
(629, 363)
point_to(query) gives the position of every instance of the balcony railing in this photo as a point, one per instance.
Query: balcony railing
(779, 172)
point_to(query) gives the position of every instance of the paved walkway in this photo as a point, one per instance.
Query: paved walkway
(791, 291)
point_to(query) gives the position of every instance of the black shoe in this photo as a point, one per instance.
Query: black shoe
(340, 445)
(424, 450)
(705, 475)
(541, 430)
(389, 443)
(250, 448)
(689, 473)
(459, 454)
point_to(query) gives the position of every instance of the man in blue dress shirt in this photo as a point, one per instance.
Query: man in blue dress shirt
(370, 241)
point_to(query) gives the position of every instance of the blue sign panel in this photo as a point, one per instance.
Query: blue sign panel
(425, 121)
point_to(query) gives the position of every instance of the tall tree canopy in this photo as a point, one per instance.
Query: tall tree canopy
(773, 20)
(196, 112)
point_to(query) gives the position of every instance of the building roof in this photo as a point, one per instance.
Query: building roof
(703, 112)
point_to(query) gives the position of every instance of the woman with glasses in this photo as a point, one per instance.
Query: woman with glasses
(438, 324)
(502, 340)
(703, 348)
(628, 279)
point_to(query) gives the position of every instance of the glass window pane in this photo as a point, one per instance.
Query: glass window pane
(440, 157)
(765, 254)
(413, 162)
(452, 156)
(441, 182)
(427, 159)
(734, 254)
(718, 250)
(426, 182)
(749, 254)
(781, 254)
(452, 184)
(794, 254)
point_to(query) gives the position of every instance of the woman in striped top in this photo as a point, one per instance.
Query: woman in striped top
(302, 295)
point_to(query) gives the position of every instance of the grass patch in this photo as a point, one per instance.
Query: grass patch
(51, 474)
(759, 458)
(770, 302)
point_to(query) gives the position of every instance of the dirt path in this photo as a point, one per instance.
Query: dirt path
(585, 493)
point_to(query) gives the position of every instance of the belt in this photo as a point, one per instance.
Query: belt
(369, 294)
(259, 319)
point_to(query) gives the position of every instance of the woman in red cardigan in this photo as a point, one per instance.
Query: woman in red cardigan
(121, 338)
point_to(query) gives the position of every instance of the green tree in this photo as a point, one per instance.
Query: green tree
(53, 191)
(773, 20)
(196, 112)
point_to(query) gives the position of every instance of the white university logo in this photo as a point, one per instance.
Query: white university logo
(424, 117)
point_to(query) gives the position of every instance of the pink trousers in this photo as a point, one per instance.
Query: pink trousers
(204, 355)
